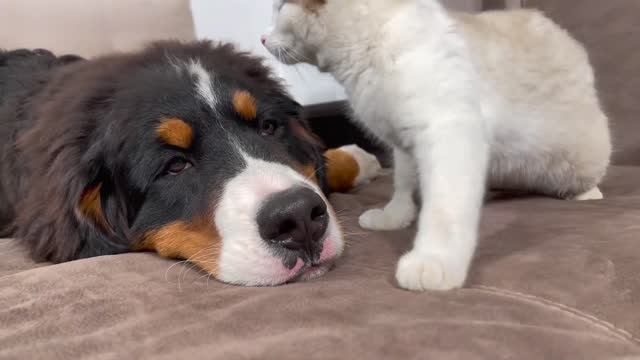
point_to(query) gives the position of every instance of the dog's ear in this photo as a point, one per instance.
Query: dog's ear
(63, 215)
(70, 207)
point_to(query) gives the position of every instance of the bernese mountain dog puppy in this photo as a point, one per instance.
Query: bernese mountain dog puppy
(192, 150)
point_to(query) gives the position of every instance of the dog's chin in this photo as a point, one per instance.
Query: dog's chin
(267, 270)
(313, 271)
(310, 271)
(300, 273)
(305, 271)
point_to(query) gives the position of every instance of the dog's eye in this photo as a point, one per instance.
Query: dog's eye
(268, 128)
(176, 166)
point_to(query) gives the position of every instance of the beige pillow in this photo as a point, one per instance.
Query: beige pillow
(92, 27)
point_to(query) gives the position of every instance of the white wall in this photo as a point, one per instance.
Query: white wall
(243, 21)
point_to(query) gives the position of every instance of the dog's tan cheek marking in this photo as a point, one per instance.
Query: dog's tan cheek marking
(342, 170)
(309, 172)
(90, 206)
(175, 132)
(245, 105)
(199, 243)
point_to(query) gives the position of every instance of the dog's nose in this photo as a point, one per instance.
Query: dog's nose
(295, 219)
(263, 39)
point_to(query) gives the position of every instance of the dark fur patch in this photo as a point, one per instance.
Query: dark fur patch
(305, 134)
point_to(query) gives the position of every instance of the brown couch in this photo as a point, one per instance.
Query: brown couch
(551, 280)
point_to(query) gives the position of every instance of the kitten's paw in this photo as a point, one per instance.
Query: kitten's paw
(421, 271)
(392, 217)
(593, 194)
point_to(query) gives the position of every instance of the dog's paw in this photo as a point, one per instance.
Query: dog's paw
(392, 217)
(368, 165)
(593, 194)
(421, 271)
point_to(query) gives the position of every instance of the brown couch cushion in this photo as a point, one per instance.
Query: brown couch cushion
(94, 27)
(552, 280)
(611, 32)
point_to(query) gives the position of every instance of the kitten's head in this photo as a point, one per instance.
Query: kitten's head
(298, 31)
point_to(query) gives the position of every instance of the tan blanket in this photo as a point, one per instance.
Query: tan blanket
(552, 280)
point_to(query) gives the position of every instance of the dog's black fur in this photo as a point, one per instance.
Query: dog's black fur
(69, 125)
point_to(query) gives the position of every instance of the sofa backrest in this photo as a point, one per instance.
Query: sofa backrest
(610, 29)
(92, 27)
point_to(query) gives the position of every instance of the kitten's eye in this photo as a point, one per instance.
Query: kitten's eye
(268, 128)
(176, 166)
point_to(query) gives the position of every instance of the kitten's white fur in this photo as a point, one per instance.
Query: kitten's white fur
(458, 96)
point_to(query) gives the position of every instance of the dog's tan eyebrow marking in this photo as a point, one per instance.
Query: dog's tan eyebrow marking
(175, 132)
(245, 104)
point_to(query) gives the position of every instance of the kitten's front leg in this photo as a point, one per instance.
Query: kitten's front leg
(452, 161)
(401, 210)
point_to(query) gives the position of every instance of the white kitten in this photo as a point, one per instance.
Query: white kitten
(458, 96)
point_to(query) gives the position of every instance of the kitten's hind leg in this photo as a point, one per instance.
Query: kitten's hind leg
(401, 210)
(593, 194)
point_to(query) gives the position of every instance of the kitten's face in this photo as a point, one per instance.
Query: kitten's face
(297, 31)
